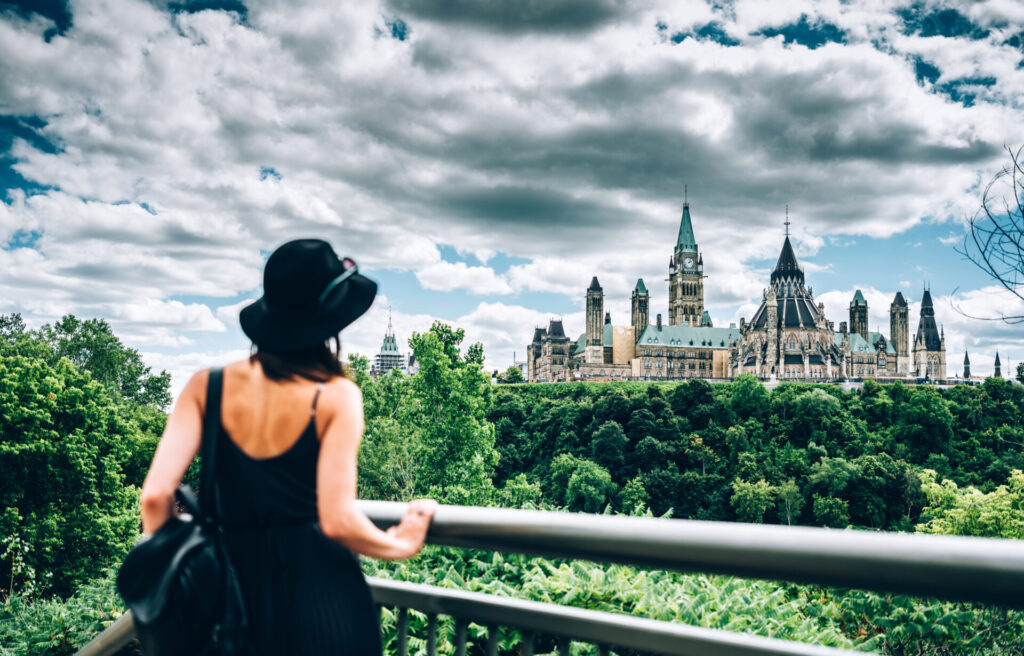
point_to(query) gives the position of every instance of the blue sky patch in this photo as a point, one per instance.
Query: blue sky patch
(26, 128)
(925, 71)
(399, 28)
(23, 239)
(919, 20)
(56, 10)
(196, 6)
(712, 31)
(269, 172)
(806, 33)
(965, 90)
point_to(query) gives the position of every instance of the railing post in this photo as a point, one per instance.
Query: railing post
(402, 628)
(563, 647)
(526, 648)
(431, 634)
(461, 628)
(492, 640)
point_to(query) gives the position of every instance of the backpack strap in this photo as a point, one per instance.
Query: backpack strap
(208, 448)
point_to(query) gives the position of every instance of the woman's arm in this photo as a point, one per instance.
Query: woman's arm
(340, 519)
(177, 448)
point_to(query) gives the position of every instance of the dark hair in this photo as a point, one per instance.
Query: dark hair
(318, 363)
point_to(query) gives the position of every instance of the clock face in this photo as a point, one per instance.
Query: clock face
(688, 263)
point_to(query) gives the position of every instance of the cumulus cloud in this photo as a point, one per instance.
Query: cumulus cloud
(560, 133)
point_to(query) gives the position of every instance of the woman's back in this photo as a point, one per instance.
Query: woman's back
(304, 593)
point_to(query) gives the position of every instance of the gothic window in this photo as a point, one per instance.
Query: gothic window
(792, 342)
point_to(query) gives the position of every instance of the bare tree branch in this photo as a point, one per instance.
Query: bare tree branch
(995, 234)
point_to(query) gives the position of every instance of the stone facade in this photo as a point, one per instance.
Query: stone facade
(788, 338)
(929, 343)
(685, 277)
(388, 357)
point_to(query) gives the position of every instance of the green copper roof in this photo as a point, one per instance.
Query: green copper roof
(580, 345)
(858, 299)
(705, 319)
(681, 336)
(686, 241)
(640, 288)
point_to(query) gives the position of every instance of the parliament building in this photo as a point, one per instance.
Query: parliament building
(788, 338)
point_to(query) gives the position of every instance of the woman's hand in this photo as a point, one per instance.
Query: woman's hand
(412, 529)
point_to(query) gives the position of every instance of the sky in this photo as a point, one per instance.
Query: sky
(482, 160)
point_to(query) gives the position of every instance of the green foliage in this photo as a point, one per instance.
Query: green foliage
(859, 452)
(64, 444)
(968, 511)
(752, 500)
(511, 375)
(91, 345)
(54, 627)
(590, 487)
(755, 607)
(428, 435)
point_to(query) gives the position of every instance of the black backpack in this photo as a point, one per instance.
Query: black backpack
(179, 584)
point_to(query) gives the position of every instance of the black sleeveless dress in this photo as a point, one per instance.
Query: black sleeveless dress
(304, 593)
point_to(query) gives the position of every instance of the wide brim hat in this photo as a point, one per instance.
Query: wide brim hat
(309, 296)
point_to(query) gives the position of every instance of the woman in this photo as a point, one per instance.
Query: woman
(288, 503)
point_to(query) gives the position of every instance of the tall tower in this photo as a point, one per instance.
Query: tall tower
(595, 323)
(899, 333)
(859, 315)
(967, 366)
(999, 368)
(641, 309)
(929, 345)
(685, 277)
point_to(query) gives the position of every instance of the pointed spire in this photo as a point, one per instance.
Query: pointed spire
(967, 360)
(640, 287)
(391, 331)
(686, 241)
(997, 358)
(594, 285)
(899, 301)
(858, 299)
(787, 265)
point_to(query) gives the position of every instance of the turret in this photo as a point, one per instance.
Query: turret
(859, 315)
(640, 315)
(595, 324)
(967, 366)
(999, 368)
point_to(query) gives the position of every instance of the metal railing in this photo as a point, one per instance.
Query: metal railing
(955, 568)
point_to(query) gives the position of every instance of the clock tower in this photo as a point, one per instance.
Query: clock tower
(685, 277)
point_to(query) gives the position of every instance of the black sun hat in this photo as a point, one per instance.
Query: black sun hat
(309, 295)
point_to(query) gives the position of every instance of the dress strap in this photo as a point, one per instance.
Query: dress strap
(316, 397)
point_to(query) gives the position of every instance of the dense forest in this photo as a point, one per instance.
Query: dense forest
(80, 416)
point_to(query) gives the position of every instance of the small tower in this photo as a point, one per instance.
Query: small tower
(967, 366)
(859, 315)
(595, 323)
(641, 308)
(999, 368)
(899, 333)
(929, 344)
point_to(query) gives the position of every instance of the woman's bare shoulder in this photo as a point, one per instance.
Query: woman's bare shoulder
(342, 390)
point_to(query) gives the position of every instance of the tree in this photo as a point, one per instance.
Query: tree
(968, 511)
(511, 375)
(748, 397)
(831, 512)
(1020, 372)
(63, 445)
(752, 500)
(633, 498)
(609, 446)
(447, 403)
(93, 346)
(995, 234)
(590, 487)
(791, 501)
